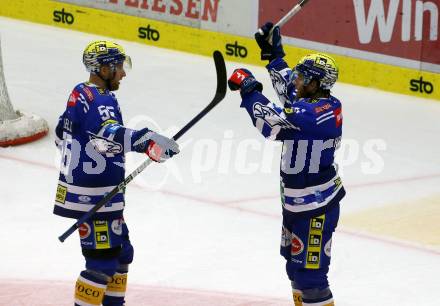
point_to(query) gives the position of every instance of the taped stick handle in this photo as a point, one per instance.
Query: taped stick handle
(284, 19)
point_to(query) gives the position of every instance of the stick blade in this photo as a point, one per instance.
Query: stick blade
(220, 68)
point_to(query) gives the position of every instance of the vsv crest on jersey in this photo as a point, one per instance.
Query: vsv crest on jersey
(104, 145)
(271, 117)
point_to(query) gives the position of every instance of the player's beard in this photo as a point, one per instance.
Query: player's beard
(114, 85)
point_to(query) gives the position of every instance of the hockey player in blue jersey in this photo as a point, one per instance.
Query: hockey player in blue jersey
(93, 141)
(309, 123)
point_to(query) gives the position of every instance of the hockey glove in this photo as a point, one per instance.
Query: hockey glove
(270, 51)
(159, 148)
(243, 80)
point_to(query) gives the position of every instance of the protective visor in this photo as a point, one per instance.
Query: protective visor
(127, 63)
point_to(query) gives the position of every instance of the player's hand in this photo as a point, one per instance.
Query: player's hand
(161, 148)
(243, 80)
(270, 51)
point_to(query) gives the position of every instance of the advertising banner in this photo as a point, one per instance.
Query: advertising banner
(391, 45)
(398, 32)
(226, 16)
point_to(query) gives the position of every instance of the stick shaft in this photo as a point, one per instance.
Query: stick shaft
(284, 19)
(291, 13)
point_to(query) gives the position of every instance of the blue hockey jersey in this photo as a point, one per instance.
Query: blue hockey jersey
(311, 131)
(93, 142)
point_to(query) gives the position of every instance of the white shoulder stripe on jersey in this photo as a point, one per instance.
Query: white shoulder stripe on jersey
(323, 115)
(325, 119)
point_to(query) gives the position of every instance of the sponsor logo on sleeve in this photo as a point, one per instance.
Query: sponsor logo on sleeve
(320, 109)
(72, 98)
(89, 93)
(338, 115)
(61, 194)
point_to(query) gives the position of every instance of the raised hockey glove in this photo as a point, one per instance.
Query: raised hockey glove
(270, 51)
(243, 80)
(159, 148)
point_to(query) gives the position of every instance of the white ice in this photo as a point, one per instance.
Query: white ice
(210, 218)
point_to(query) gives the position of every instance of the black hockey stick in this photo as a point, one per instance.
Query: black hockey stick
(220, 93)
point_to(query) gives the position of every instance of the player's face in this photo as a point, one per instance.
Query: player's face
(302, 90)
(119, 74)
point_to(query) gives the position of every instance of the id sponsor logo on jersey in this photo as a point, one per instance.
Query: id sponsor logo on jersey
(61, 194)
(317, 224)
(84, 230)
(102, 237)
(297, 245)
(315, 240)
(313, 260)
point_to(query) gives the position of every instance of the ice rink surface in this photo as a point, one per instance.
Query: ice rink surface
(206, 225)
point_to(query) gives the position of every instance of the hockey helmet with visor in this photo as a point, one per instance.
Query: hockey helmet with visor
(319, 67)
(102, 52)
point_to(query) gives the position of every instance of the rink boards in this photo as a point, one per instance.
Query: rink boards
(200, 41)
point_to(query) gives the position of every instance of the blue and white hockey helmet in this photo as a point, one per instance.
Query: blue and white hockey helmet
(102, 52)
(318, 66)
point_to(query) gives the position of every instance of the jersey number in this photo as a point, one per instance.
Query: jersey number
(106, 112)
(66, 154)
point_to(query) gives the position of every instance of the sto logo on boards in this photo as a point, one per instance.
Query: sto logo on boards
(63, 17)
(236, 50)
(421, 86)
(148, 33)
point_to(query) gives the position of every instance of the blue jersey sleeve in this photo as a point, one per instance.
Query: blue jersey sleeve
(280, 75)
(302, 118)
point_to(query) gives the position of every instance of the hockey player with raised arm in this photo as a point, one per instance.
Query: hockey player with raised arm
(309, 123)
(93, 141)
